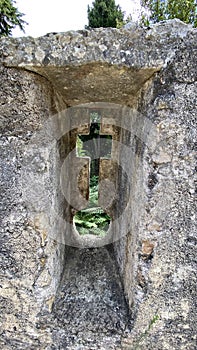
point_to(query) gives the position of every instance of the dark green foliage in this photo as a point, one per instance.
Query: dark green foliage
(10, 18)
(105, 13)
(186, 11)
(159, 10)
(93, 219)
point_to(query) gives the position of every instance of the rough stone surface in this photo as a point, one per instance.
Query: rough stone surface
(93, 313)
(28, 256)
(79, 63)
(153, 73)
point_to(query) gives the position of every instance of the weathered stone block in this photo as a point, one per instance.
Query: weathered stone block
(144, 83)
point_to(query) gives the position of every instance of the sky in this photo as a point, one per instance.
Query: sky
(46, 16)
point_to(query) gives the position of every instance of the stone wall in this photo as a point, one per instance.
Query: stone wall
(164, 243)
(151, 75)
(31, 262)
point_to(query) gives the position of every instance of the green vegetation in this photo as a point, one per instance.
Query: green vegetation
(10, 18)
(145, 334)
(159, 10)
(92, 219)
(105, 13)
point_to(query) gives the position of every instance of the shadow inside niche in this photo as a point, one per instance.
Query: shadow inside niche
(90, 307)
(93, 219)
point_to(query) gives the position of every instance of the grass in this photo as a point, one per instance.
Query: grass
(93, 219)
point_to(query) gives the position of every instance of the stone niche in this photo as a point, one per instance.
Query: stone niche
(144, 83)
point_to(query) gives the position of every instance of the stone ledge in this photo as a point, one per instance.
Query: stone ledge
(134, 47)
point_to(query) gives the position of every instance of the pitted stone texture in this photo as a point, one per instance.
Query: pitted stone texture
(28, 276)
(113, 46)
(166, 277)
(153, 70)
(79, 63)
(90, 311)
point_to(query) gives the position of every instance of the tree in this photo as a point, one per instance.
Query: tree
(10, 18)
(105, 13)
(159, 10)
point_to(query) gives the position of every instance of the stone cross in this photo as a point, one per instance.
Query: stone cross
(96, 145)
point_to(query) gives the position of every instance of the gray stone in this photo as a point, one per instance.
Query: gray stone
(144, 83)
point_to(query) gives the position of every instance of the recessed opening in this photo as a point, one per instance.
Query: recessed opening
(93, 219)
